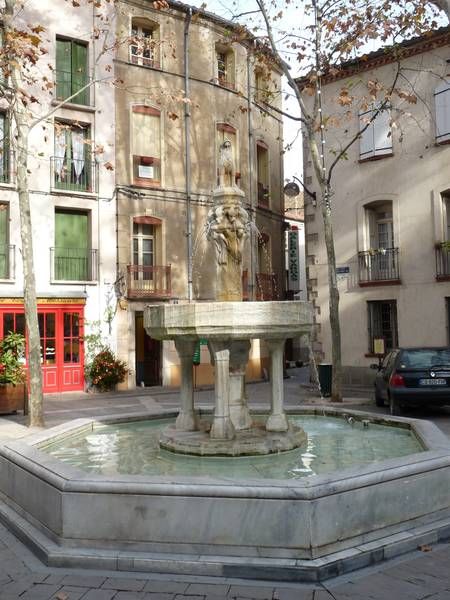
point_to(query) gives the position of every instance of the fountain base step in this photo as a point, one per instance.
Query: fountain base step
(249, 442)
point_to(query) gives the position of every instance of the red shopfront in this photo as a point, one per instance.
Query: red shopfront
(61, 331)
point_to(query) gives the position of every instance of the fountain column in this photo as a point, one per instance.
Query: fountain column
(277, 420)
(239, 412)
(187, 419)
(222, 428)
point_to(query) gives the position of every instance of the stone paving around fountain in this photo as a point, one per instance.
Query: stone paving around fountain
(419, 575)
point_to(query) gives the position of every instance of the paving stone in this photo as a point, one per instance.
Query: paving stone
(16, 587)
(122, 584)
(55, 578)
(186, 597)
(206, 589)
(435, 582)
(40, 591)
(257, 593)
(440, 596)
(89, 581)
(378, 587)
(292, 594)
(99, 594)
(158, 596)
(72, 593)
(165, 587)
(130, 596)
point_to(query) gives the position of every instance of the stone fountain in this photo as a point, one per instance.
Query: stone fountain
(229, 325)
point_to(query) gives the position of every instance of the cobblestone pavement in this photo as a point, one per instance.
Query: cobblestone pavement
(417, 576)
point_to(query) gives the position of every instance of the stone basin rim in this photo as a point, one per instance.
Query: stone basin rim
(30, 456)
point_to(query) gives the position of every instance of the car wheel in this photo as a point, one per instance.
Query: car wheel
(394, 407)
(378, 399)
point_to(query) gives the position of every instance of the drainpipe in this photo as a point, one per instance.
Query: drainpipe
(187, 142)
(250, 182)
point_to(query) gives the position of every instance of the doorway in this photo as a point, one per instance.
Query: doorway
(148, 355)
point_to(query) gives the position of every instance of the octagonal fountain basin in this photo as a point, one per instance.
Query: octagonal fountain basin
(102, 494)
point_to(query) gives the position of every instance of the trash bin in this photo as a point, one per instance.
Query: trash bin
(325, 377)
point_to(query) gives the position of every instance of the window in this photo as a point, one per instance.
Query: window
(225, 68)
(143, 249)
(72, 166)
(4, 241)
(442, 104)
(382, 321)
(73, 259)
(71, 71)
(262, 79)
(226, 132)
(262, 160)
(144, 44)
(376, 139)
(146, 145)
(4, 148)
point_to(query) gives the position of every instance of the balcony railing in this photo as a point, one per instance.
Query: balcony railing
(149, 282)
(68, 83)
(378, 266)
(442, 253)
(73, 175)
(73, 264)
(7, 261)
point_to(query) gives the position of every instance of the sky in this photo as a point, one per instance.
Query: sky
(226, 9)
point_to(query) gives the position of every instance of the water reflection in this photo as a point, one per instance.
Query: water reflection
(133, 448)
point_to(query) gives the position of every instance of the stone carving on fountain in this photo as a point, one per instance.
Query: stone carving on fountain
(229, 324)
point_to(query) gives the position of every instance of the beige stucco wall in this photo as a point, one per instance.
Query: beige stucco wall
(210, 104)
(413, 179)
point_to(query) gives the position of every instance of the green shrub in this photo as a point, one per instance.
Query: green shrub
(106, 370)
(12, 351)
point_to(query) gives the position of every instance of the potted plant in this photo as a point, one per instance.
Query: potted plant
(106, 371)
(12, 373)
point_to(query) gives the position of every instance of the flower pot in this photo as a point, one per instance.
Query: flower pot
(12, 397)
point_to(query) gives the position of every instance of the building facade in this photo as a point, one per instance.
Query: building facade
(71, 195)
(188, 83)
(390, 206)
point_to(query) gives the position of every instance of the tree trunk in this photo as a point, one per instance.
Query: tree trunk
(21, 118)
(336, 394)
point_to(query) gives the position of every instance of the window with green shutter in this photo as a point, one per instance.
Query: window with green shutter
(4, 241)
(72, 254)
(72, 71)
(4, 148)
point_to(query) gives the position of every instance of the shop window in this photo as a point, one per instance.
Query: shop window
(4, 148)
(71, 330)
(382, 323)
(72, 161)
(146, 145)
(375, 138)
(225, 66)
(72, 71)
(73, 258)
(442, 105)
(144, 43)
(262, 160)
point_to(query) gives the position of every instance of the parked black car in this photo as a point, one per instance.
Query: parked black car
(413, 377)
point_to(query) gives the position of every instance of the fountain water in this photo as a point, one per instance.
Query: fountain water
(229, 325)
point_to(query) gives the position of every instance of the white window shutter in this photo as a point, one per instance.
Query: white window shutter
(442, 101)
(366, 147)
(382, 133)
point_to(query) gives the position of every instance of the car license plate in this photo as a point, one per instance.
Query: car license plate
(436, 381)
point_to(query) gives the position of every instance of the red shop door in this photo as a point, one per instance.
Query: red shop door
(62, 349)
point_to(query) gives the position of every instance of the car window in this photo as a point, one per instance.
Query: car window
(386, 360)
(391, 361)
(423, 358)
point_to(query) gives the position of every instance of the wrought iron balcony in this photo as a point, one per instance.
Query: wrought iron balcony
(68, 83)
(7, 261)
(149, 282)
(442, 253)
(379, 267)
(73, 175)
(73, 264)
